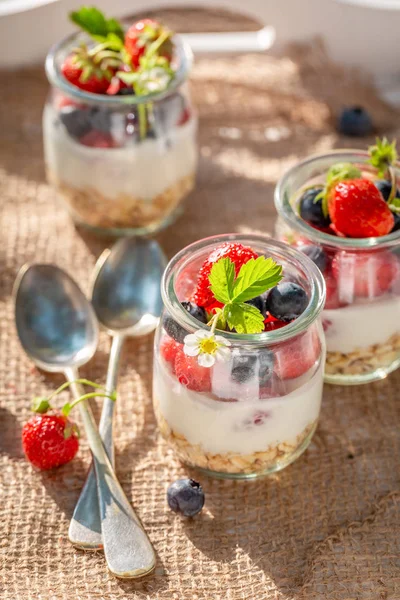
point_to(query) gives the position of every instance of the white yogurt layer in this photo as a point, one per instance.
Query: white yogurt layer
(362, 324)
(221, 427)
(143, 170)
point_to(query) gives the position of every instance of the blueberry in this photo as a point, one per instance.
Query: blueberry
(260, 303)
(355, 121)
(177, 332)
(287, 301)
(317, 255)
(246, 364)
(311, 210)
(385, 187)
(75, 120)
(396, 225)
(185, 496)
(100, 119)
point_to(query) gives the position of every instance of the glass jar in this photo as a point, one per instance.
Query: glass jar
(257, 412)
(361, 317)
(123, 164)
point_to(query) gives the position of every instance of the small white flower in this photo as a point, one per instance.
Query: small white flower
(207, 346)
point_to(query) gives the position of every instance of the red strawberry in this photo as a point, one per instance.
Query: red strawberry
(366, 274)
(191, 374)
(169, 349)
(271, 324)
(140, 35)
(96, 83)
(238, 254)
(50, 440)
(97, 139)
(295, 357)
(357, 209)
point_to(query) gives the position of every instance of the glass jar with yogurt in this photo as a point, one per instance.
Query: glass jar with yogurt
(123, 163)
(361, 317)
(255, 412)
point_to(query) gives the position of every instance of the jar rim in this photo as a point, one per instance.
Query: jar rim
(184, 257)
(55, 77)
(286, 211)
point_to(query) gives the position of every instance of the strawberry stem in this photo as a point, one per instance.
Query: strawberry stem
(67, 384)
(66, 409)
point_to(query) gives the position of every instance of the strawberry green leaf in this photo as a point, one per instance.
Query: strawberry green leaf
(221, 280)
(394, 205)
(382, 155)
(244, 318)
(255, 277)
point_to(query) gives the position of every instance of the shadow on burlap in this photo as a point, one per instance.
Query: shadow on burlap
(327, 527)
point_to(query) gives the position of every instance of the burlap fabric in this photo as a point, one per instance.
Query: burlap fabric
(325, 528)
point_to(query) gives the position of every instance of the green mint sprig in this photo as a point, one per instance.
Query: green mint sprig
(383, 155)
(255, 277)
(101, 29)
(338, 172)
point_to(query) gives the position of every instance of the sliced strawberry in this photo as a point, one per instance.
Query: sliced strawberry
(366, 274)
(358, 210)
(238, 254)
(185, 116)
(97, 139)
(169, 350)
(191, 374)
(296, 356)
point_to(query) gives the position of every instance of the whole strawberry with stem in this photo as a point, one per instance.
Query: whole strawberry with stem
(50, 439)
(141, 35)
(354, 204)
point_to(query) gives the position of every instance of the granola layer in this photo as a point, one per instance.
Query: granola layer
(364, 360)
(90, 207)
(271, 459)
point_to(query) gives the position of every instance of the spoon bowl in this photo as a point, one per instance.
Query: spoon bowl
(55, 323)
(126, 292)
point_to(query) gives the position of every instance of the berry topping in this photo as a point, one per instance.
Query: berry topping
(271, 324)
(247, 365)
(357, 209)
(317, 255)
(365, 275)
(177, 332)
(49, 440)
(355, 121)
(238, 254)
(332, 294)
(192, 375)
(296, 356)
(169, 350)
(97, 139)
(385, 188)
(186, 497)
(76, 120)
(287, 301)
(396, 225)
(260, 303)
(311, 209)
(81, 71)
(140, 36)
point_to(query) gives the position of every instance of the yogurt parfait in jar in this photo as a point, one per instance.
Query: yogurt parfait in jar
(239, 355)
(119, 128)
(343, 210)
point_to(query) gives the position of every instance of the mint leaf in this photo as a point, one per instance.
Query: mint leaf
(244, 318)
(255, 277)
(221, 280)
(93, 21)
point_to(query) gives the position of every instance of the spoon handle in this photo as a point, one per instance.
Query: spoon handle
(128, 551)
(85, 526)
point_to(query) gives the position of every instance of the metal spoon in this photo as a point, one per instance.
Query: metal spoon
(57, 328)
(127, 300)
